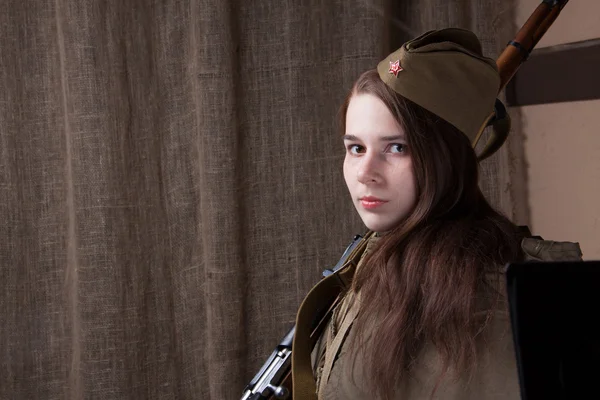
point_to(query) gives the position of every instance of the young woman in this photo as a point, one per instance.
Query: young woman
(425, 316)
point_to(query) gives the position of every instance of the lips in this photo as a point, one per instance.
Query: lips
(370, 202)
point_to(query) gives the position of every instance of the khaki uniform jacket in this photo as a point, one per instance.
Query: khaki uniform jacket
(496, 376)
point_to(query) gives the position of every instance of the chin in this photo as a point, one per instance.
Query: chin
(377, 226)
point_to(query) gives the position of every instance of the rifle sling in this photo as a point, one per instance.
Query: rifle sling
(334, 347)
(303, 381)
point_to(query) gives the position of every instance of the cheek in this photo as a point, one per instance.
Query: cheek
(412, 187)
(410, 178)
(407, 183)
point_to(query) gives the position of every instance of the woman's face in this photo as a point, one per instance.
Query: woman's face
(378, 166)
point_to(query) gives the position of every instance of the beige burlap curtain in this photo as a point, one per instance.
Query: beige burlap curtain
(170, 184)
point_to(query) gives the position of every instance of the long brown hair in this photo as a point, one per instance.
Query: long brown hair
(424, 281)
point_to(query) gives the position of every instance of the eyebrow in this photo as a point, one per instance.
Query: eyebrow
(383, 138)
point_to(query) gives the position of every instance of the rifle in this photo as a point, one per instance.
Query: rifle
(273, 381)
(514, 55)
(272, 378)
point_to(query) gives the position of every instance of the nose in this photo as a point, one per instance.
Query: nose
(368, 170)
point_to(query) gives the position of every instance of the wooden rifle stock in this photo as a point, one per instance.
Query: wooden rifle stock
(514, 55)
(527, 38)
(508, 63)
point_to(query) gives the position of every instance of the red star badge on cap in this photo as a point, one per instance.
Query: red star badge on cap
(395, 67)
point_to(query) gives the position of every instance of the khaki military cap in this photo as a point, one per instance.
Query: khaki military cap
(445, 72)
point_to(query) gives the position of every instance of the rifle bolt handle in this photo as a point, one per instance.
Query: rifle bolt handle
(280, 392)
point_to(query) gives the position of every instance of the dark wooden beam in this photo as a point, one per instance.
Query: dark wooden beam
(568, 72)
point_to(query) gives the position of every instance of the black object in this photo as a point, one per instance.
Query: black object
(554, 312)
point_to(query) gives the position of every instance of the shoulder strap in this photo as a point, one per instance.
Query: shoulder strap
(333, 348)
(320, 297)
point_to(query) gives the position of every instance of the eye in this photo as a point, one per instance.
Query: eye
(397, 148)
(355, 149)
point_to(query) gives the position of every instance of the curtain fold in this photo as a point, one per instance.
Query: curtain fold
(171, 185)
